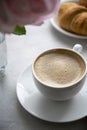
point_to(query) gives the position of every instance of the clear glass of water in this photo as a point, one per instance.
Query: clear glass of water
(3, 53)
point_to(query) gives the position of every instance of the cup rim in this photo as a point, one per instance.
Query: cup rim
(66, 49)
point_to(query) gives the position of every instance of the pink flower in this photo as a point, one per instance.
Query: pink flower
(23, 12)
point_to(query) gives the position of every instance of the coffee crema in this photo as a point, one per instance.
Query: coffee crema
(59, 68)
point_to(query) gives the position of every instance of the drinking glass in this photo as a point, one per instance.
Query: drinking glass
(3, 53)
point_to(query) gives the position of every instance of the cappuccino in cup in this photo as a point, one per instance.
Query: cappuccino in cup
(59, 74)
(59, 68)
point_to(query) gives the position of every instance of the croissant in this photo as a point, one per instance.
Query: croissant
(83, 2)
(73, 17)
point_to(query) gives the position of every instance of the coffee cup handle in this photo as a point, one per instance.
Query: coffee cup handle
(78, 48)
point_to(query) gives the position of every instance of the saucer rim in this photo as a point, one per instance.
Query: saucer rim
(35, 114)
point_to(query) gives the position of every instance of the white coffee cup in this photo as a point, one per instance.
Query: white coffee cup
(59, 74)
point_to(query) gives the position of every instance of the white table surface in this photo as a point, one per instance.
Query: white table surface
(21, 51)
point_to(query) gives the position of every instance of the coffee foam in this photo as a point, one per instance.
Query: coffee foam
(59, 68)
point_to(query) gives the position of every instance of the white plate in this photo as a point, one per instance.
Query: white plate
(56, 25)
(36, 104)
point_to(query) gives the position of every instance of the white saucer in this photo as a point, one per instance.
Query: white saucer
(56, 25)
(54, 111)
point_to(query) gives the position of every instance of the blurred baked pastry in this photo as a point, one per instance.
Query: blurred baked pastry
(73, 17)
(83, 2)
